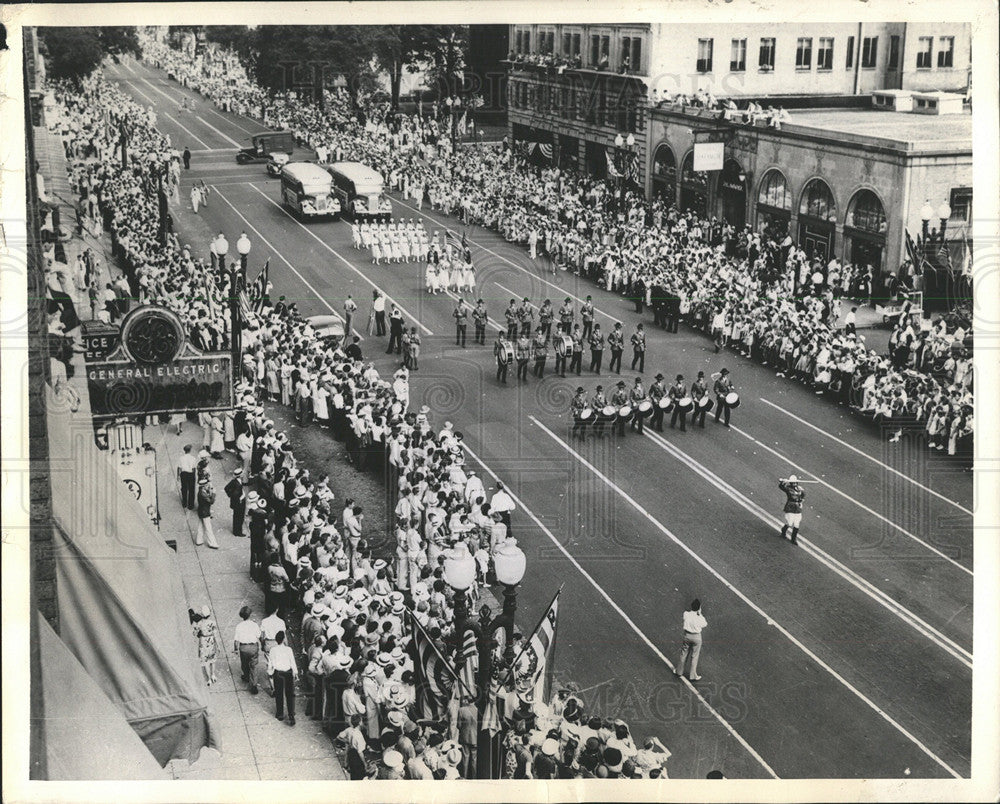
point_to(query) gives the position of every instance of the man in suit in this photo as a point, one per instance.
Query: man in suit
(395, 331)
(237, 500)
(468, 732)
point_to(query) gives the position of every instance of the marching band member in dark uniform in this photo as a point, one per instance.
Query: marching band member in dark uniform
(522, 351)
(566, 315)
(461, 315)
(723, 386)
(794, 494)
(540, 351)
(561, 359)
(656, 392)
(545, 316)
(616, 343)
(699, 390)
(598, 402)
(480, 317)
(618, 399)
(524, 316)
(511, 315)
(578, 404)
(499, 349)
(637, 395)
(639, 348)
(677, 392)
(596, 346)
(587, 316)
(576, 361)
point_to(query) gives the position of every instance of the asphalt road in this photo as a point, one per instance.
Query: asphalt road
(848, 656)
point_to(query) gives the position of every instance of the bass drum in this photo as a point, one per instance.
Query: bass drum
(508, 354)
(586, 416)
(665, 404)
(733, 399)
(625, 411)
(608, 413)
(563, 345)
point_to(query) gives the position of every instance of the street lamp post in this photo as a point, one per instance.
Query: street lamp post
(926, 213)
(243, 248)
(459, 570)
(944, 214)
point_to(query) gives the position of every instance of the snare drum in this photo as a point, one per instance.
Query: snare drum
(665, 404)
(508, 354)
(685, 404)
(586, 416)
(625, 411)
(733, 399)
(563, 345)
(645, 407)
(608, 413)
(705, 404)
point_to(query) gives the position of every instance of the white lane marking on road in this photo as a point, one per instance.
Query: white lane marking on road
(864, 454)
(770, 620)
(215, 150)
(509, 262)
(849, 575)
(203, 120)
(279, 255)
(849, 498)
(176, 122)
(631, 624)
(342, 259)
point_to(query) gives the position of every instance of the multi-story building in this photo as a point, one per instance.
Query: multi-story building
(573, 89)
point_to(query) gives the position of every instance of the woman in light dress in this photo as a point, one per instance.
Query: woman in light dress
(397, 248)
(469, 277)
(440, 278)
(430, 277)
(404, 247)
(376, 251)
(218, 444)
(207, 634)
(455, 277)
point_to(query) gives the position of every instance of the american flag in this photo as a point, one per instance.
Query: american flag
(257, 290)
(612, 170)
(470, 663)
(532, 667)
(435, 678)
(452, 241)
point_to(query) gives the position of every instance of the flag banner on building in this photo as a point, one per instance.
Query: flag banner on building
(462, 127)
(258, 288)
(533, 666)
(434, 677)
(632, 168)
(470, 663)
(546, 150)
(612, 170)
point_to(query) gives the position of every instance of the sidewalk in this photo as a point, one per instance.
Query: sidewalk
(254, 744)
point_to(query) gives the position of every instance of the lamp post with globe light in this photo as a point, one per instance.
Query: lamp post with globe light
(509, 563)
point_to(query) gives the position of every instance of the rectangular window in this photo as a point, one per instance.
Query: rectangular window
(738, 56)
(626, 54)
(946, 51)
(850, 52)
(636, 54)
(595, 49)
(869, 52)
(824, 56)
(925, 52)
(804, 53)
(567, 44)
(961, 204)
(576, 45)
(766, 58)
(893, 53)
(704, 64)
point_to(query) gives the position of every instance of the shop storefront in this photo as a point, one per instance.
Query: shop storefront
(694, 187)
(865, 230)
(774, 205)
(732, 194)
(665, 174)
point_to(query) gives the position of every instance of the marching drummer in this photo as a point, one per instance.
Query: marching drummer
(566, 315)
(540, 351)
(699, 392)
(616, 343)
(599, 402)
(545, 316)
(480, 317)
(794, 494)
(562, 353)
(657, 391)
(523, 352)
(587, 316)
(636, 397)
(723, 388)
(596, 346)
(579, 404)
(500, 349)
(677, 392)
(524, 317)
(619, 399)
(576, 361)
(510, 314)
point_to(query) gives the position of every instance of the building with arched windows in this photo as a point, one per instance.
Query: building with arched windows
(844, 183)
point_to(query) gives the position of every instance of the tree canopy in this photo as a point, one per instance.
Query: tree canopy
(74, 53)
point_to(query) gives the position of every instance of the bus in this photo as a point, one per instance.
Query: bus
(360, 191)
(307, 189)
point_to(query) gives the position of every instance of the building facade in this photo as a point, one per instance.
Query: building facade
(574, 88)
(843, 183)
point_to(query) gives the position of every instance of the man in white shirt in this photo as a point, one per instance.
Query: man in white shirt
(283, 670)
(378, 305)
(246, 643)
(186, 467)
(694, 623)
(270, 627)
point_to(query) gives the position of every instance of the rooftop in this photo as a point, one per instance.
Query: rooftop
(915, 132)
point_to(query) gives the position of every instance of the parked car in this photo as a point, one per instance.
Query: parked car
(328, 328)
(262, 146)
(276, 163)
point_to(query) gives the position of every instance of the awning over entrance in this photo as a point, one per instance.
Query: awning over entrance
(86, 736)
(122, 610)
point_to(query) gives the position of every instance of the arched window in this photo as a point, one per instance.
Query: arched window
(866, 213)
(817, 201)
(664, 164)
(688, 175)
(774, 191)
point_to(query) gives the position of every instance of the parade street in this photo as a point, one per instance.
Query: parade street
(849, 655)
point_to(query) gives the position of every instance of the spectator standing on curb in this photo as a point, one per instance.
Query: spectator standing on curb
(185, 474)
(246, 644)
(284, 671)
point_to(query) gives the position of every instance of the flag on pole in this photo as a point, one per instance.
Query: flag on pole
(258, 288)
(434, 676)
(470, 663)
(532, 668)
(452, 241)
(612, 170)
(911, 250)
(462, 127)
